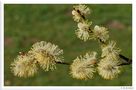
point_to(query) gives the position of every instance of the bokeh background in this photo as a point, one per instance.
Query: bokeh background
(27, 24)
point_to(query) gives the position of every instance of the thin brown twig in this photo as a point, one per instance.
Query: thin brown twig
(128, 61)
(65, 63)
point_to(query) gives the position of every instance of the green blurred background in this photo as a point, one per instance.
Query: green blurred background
(27, 24)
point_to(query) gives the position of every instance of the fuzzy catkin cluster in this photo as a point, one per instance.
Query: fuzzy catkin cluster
(46, 54)
(43, 54)
(108, 66)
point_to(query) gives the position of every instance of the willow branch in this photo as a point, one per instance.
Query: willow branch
(128, 61)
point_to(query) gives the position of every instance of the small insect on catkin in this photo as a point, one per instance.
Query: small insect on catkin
(47, 54)
(24, 66)
(83, 67)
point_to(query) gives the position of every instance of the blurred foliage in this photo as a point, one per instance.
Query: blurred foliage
(27, 24)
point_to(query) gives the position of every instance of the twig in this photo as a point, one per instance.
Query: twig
(128, 61)
(125, 58)
(65, 63)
